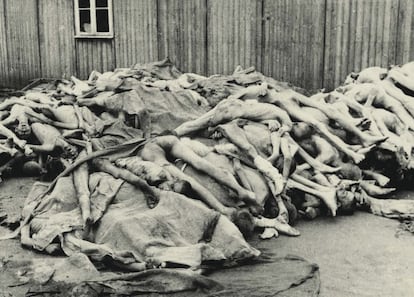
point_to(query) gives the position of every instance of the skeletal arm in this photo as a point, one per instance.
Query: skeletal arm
(81, 183)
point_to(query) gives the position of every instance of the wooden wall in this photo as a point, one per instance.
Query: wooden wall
(22, 41)
(310, 43)
(293, 41)
(359, 33)
(57, 51)
(182, 33)
(135, 29)
(234, 34)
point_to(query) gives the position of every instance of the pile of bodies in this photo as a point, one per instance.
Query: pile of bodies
(180, 160)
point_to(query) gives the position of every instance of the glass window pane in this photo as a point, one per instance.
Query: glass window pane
(85, 21)
(102, 20)
(101, 3)
(84, 4)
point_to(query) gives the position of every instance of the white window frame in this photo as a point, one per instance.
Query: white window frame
(93, 33)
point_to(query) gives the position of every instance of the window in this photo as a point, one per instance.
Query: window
(93, 19)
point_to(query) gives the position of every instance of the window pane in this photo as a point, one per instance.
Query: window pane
(84, 4)
(85, 20)
(102, 20)
(101, 3)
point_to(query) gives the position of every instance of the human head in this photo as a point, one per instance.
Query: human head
(301, 130)
(69, 151)
(32, 168)
(346, 201)
(23, 130)
(244, 221)
(176, 185)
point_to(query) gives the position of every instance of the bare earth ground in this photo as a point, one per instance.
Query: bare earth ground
(359, 255)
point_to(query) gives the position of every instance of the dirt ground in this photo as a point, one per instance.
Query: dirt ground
(359, 255)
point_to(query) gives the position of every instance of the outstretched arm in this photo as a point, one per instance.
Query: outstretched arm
(81, 183)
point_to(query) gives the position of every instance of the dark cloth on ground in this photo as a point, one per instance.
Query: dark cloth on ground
(171, 232)
(287, 276)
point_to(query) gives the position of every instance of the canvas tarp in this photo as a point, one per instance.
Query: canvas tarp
(285, 276)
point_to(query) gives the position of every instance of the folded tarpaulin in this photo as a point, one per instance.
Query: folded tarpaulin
(60, 213)
(178, 231)
(172, 232)
(287, 276)
(156, 110)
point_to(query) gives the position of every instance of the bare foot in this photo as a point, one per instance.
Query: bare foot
(374, 190)
(329, 198)
(382, 180)
(371, 140)
(285, 228)
(269, 233)
(357, 157)
(366, 150)
(388, 146)
(280, 226)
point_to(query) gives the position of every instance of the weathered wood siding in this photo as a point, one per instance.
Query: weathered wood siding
(182, 33)
(57, 45)
(310, 43)
(405, 30)
(94, 54)
(135, 29)
(358, 34)
(22, 40)
(293, 41)
(4, 66)
(234, 34)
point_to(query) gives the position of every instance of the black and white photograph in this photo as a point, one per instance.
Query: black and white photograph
(212, 148)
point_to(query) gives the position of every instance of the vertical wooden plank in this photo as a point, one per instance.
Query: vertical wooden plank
(57, 43)
(405, 36)
(393, 24)
(295, 7)
(22, 41)
(373, 32)
(330, 36)
(4, 67)
(237, 24)
(345, 40)
(94, 54)
(135, 32)
(182, 29)
(267, 50)
(386, 35)
(359, 34)
(340, 7)
(364, 50)
(379, 33)
(289, 39)
(296, 36)
(318, 33)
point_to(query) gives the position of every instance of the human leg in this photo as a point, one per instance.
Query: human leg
(81, 183)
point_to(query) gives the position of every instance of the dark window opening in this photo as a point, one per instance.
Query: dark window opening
(93, 18)
(85, 20)
(84, 4)
(102, 3)
(102, 20)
